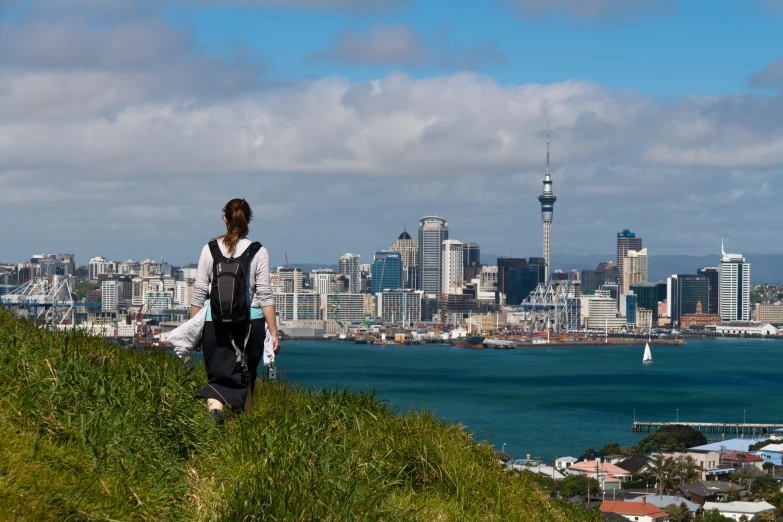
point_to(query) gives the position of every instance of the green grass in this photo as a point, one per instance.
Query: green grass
(89, 431)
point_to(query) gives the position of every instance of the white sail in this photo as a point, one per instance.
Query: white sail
(647, 354)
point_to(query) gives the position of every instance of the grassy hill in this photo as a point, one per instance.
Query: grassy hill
(95, 432)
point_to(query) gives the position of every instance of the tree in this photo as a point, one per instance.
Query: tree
(757, 446)
(679, 513)
(676, 471)
(574, 485)
(672, 438)
(614, 448)
(768, 467)
(714, 515)
(763, 486)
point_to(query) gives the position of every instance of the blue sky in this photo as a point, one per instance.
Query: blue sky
(699, 47)
(125, 126)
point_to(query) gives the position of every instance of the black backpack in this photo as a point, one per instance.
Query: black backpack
(228, 291)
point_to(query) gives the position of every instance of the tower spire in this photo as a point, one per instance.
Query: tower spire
(547, 150)
(547, 200)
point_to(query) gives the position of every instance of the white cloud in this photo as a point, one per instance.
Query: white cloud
(403, 45)
(101, 144)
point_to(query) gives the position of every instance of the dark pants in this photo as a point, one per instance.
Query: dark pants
(228, 383)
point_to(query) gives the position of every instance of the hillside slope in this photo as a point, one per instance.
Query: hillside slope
(95, 432)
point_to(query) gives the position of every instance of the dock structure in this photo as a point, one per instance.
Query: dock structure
(723, 428)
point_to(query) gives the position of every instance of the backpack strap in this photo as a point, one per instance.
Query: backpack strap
(252, 250)
(217, 255)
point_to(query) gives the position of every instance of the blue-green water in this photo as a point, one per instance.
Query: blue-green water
(555, 401)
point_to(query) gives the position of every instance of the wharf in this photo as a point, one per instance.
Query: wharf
(593, 343)
(724, 428)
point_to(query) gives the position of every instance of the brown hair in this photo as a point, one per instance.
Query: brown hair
(238, 214)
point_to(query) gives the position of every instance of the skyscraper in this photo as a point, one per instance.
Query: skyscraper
(433, 231)
(713, 276)
(626, 240)
(386, 272)
(734, 287)
(471, 255)
(453, 269)
(634, 269)
(547, 199)
(348, 265)
(408, 249)
(409, 255)
(692, 290)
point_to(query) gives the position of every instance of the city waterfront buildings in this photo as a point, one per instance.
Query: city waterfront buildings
(626, 241)
(471, 255)
(634, 269)
(603, 312)
(348, 265)
(290, 279)
(399, 306)
(433, 231)
(111, 295)
(734, 287)
(386, 271)
(453, 268)
(647, 297)
(713, 276)
(692, 291)
(770, 313)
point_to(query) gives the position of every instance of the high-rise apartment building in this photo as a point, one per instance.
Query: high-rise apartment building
(398, 306)
(647, 297)
(386, 272)
(734, 287)
(713, 276)
(634, 269)
(111, 295)
(626, 241)
(433, 231)
(98, 266)
(348, 265)
(453, 269)
(321, 282)
(290, 279)
(471, 255)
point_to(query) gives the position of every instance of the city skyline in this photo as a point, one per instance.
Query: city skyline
(388, 110)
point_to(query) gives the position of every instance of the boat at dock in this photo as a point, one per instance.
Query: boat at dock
(472, 341)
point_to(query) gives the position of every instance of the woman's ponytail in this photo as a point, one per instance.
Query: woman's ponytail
(238, 214)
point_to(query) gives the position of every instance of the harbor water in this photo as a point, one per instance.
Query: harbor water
(553, 400)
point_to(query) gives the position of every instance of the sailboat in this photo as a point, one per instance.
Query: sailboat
(647, 353)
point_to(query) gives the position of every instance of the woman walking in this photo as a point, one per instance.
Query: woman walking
(234, 331)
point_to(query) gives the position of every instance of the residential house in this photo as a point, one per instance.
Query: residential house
(537, 468)
(771, 453)
(639, 465)
(708, 461)
(737, 459)
(706, 491)
(667, 500)
(636, 511)
(563, 463)
(607, 474)
(737, 510)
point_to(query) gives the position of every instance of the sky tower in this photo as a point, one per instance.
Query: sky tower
(547, 199)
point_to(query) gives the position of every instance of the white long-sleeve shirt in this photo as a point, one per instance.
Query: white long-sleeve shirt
(259, 287)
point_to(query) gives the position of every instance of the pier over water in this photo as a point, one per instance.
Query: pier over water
(724, 428)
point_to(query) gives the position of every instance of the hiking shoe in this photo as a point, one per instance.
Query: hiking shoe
(217, 416)
(271, 372)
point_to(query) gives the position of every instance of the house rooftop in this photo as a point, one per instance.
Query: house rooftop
(632, 508)
(750, 508)
(666, 500)
(730, 444)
